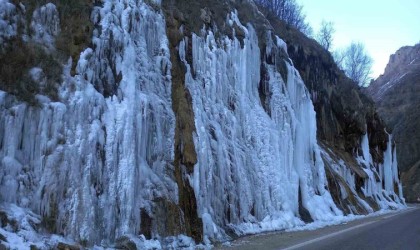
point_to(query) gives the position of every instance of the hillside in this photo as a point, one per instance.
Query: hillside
(396, 93)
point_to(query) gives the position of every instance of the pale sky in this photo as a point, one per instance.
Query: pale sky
(382, 25)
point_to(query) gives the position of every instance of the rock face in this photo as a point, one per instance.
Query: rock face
(396, 94)
(183, 121)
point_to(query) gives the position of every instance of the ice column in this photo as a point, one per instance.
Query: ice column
(90, 162)
(251, 164)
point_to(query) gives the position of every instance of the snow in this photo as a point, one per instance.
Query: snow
(390, 84)
(278, 221)
(22, 230)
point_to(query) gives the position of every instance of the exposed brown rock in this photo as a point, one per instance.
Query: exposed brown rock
(65, 246)
(146, 224)
(303, 212)
(185, 154)
(168, 218)
(411, 184)
(126, 243)
(205, 16)
(6, 221)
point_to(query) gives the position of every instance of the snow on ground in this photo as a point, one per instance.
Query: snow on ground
(20, 229)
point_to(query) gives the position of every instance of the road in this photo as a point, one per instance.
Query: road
(398, 230)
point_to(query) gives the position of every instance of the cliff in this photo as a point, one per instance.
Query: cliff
(396, 94)
(176, 122)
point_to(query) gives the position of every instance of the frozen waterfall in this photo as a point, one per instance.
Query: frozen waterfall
(251, 165)
(383, 182)
(90, 162)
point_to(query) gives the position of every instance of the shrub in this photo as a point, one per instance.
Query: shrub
(287, 10)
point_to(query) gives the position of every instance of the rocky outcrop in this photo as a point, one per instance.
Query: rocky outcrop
(396, 94)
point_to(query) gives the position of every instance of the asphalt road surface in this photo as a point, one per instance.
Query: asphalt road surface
(398, 230)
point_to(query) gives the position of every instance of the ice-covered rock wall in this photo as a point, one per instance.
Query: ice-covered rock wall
(383, 182)
(96, 163)
(364, 185)
(91, 162)
(252, 163)
(8, 21)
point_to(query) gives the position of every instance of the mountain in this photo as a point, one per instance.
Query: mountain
(149, 124)
(396, 94)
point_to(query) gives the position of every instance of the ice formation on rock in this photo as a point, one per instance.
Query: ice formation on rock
(374, 177)
(8, 21)
(89, 161)
(382, 183)
(45, 25)
(251, 165)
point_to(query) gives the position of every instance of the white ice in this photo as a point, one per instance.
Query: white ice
(251, 165)
(90, 160)
(45, 25)
(8, 21)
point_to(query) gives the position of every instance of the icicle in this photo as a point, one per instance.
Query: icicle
(251, 164)
(388, 176)
(90, 159)
(366, 151)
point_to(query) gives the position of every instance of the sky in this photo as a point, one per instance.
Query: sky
(383, 26)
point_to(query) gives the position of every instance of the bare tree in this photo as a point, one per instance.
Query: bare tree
(356, 63)
(289, 11)
(325, 34)
(339, 55)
